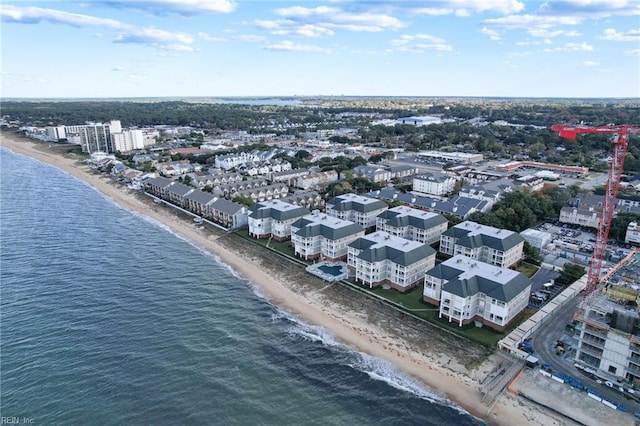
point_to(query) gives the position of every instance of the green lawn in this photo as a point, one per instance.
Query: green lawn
(528, 269)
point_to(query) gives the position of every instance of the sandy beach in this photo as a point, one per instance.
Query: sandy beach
(447, 367)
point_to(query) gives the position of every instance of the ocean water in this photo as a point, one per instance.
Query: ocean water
(107, 319)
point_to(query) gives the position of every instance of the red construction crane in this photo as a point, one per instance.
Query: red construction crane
(619, 139)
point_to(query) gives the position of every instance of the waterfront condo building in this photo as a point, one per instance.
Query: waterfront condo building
(356, 208)
(467, 290)
(487, 244)
(273, 219)
(413, 224)
(319, 235)
(384, 259)
(94, 136)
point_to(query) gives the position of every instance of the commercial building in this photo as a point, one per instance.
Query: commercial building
(384, 259)
(466, 290)
(537, 239)
(413, 224)
(633, 233)
(449, 157)
(319, 235)
(356, 208)
(487, 244)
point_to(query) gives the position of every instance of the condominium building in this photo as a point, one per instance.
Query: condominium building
(128, 140)
(384, 259)
(468, 290)
(94, 137)
(356, 208)
(413, 224)
(487, 244)
(273, 219)
(319, 235)
(435, 183)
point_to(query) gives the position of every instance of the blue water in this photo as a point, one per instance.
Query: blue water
(331, 270)
(107, 319)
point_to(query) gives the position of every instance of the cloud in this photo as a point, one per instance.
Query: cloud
(206, 37)
(613, 35)
(634, 52)
(35, 15)
(118, 69)
(419, 43)
(590, 64)
(290, 27)
(468, 7)
(591, 8)
(493, 34)
(294, 47)
(572, 47)
(125, 33)
(324, 18)
(178, 7)
(250, 38)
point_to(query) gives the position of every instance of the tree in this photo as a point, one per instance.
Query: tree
(532, 254)
(570, 273)
(242, 199)
(187, 180)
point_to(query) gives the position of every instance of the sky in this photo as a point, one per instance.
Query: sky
(218, 48)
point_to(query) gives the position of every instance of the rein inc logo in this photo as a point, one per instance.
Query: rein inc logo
(16, 421)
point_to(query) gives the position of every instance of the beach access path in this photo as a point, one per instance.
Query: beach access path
(453, 368)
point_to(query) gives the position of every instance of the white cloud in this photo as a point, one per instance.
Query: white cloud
(634, 52)
(493, 34)
(125, 33)
(572, 47)
(613, 35)
(334, 18)
(590, 64)
(289, 46)
(250, 38)
(289, 27)
(591, 8)
(467, 7)
(415, 43)
(206, 37)
(118, 69)
(179, 7)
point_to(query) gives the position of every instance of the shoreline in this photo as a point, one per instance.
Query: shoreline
(431, 366)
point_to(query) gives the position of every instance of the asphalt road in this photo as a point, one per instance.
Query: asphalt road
(544, 344)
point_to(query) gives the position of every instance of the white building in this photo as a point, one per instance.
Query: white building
(230, 161)
(449, 157)
(356, 208)
(381, 258)
(580, 216)
(435, 183)
(633, 233)
(128, 140)
(467, 290)
(319, 235)
(55, 133)
(537, 239)
(487, 244)
(94, 136)
(273, 219)
(413, 224)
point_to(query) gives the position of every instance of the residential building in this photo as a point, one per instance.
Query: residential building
(373, 173)
(158, 186)
(94, 136)
(413, 224)
(309, 199)
(319, 235)
(633, 233)
(127, 140)
(199, 202)
(466, 290)
(435, 183)
(487, 244)
(384, 259)
(537, 239)
(228, 214)
(402, 171)
(312, 180)
(356, 208)
(458, 206)
(273, 219)
(176, 193)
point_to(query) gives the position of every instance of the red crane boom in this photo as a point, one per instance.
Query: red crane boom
(619, 140)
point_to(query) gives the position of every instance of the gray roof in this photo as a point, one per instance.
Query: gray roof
(359, 203)
(226, 206)
(200, 197)
(277, 210)
(473, 235)
(328, 227)
(160, 182)
(434, 177)
(466, 277)
(380, 246)
(456, 206)
(179, 189)
(402, 217)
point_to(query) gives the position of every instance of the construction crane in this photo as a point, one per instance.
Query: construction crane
(619, 140)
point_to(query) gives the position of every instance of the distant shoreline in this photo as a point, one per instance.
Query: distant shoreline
(435, 369)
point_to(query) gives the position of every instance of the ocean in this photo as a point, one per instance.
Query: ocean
(107, 318)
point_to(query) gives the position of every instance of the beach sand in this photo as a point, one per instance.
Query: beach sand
(444, 365)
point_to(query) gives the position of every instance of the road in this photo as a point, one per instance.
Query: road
(544, 344)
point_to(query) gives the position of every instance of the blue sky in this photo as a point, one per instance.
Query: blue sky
(506, 48)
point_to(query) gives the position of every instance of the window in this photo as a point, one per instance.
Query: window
(612, 369)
